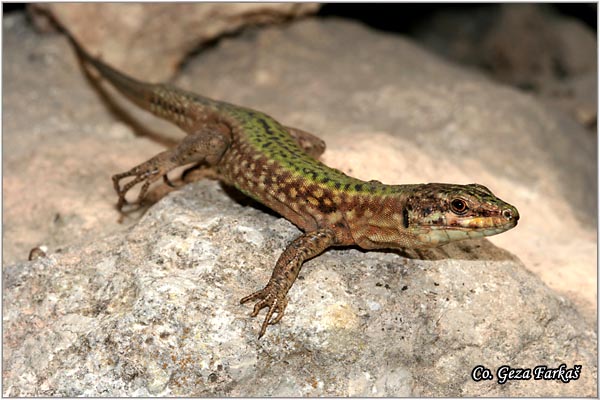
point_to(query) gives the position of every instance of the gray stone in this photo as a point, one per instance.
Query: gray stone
(551, 56)
(387, 109)
(156, 312)
(150, 306)
(131, 34)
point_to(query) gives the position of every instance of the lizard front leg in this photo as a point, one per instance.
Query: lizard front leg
(207, 146)
(274, 295)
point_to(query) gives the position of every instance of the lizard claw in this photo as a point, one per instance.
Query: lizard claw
(146, 172)
(183, 176)
(273, 299)
(168, 182)
(121, 192)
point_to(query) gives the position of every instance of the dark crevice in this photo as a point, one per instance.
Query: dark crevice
(12, 7)
(407, 18)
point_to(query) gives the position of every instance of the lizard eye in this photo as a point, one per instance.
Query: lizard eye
(458, 206)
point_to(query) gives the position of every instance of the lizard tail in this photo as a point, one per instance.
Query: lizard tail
(161, 100)
(136, 91)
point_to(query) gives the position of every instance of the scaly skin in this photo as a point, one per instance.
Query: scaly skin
(277, 166)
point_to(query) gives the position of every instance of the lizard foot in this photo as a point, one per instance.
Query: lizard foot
(146, 172)
(270, 297)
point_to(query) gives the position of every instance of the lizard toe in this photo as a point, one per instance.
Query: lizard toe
(268, 297)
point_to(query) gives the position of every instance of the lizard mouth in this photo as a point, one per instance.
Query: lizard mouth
(436, 235)
(495, 223)
(474, 227)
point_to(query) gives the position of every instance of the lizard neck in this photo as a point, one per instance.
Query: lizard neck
(379, 218)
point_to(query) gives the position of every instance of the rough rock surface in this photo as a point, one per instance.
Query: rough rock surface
(401, 114)
(424, 120)
(156, 312)
(389, 111)
(131, 34)
(526, 45)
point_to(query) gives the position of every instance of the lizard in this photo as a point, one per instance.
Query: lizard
(278, 166)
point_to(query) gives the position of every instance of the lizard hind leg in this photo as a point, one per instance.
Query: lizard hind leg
(274, 294)
(311, 144)
(204, 146)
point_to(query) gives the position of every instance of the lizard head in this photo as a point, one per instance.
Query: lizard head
(438, 213)
(430, 215)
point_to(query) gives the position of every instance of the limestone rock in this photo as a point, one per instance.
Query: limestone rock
(142, 308)
(129, 35)
(387, 109)
(156, 312)
(527, 45)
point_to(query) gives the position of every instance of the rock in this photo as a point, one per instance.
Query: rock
(131, 34)
(548, 54)
(56, 183)
(151, 310)
(525, 45)
(389, 110)
(381, 96)
(522, 48)
(156, 312)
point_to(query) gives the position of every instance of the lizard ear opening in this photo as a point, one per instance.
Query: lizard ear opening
(405, 220)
